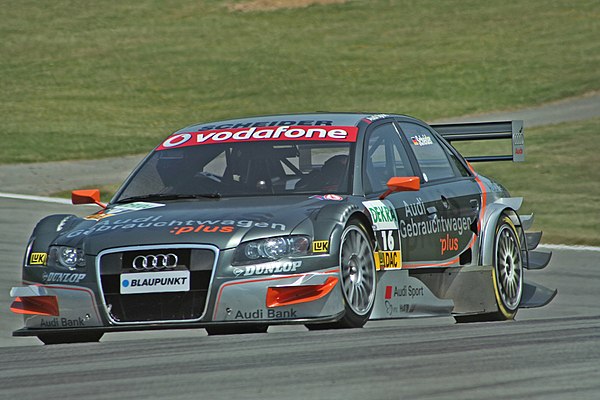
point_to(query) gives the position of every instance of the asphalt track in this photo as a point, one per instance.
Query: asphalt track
(547, 353)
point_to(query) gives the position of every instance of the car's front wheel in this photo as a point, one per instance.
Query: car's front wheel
(358, 278)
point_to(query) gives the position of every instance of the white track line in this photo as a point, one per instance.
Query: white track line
(66, 201)
(35, 198)
(568, 247)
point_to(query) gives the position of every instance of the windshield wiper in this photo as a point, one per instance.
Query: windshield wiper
(164, 196)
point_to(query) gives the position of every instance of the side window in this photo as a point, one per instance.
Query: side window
(431, 156)
(459, 168)
(384, 158)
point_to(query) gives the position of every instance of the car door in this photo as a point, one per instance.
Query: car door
(399, 241)
(455, 197)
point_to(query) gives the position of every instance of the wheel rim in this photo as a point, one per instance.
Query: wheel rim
(509, 268)
(358, 270)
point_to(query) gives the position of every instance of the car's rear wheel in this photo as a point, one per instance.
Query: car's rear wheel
(62, 338)
(358, 283)
(236, 329)
(507, 274)
(508, 269)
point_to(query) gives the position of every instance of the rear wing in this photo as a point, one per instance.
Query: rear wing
(487, 131)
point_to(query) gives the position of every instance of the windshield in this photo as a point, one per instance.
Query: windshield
(242, 169)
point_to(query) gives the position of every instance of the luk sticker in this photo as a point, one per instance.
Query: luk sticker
(38, 259)
(320, 246)
(260, 134)
(121, 209)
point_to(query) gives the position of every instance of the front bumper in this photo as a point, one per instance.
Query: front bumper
(294, 299)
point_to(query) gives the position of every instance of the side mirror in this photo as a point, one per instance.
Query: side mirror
(89, 196)
(402, 184)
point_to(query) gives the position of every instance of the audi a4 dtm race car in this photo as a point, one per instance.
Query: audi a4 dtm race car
(325, 219)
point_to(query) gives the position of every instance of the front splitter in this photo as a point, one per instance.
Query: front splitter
(167, 326)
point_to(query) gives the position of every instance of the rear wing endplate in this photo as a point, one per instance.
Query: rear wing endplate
(487, 131)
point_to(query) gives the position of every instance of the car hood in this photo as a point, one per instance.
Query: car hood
(220, 222)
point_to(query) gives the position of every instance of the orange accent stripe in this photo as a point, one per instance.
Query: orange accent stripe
(223, 286)
(452, 261)
(287, 295)
(483, 200)
(483, 206)
(36, 305)
(86, 290)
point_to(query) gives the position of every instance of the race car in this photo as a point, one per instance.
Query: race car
(325, 219)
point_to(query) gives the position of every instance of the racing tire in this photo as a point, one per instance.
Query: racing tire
(358, 278)
(236, 329)
(507, 274)
(64, 338)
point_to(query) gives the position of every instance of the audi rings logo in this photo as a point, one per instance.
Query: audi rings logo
(158, 262)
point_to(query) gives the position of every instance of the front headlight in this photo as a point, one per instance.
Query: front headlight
(271, 249)
(66, 257)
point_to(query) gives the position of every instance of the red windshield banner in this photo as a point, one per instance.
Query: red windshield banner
(258, 134)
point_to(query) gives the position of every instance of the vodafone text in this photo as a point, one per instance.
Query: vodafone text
(326, 133)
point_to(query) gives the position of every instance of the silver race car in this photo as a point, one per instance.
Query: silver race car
(328, 220)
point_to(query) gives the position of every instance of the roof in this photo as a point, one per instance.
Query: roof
(307, 119)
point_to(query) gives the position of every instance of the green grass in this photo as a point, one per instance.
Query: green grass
(97, 79)
(560, 180)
